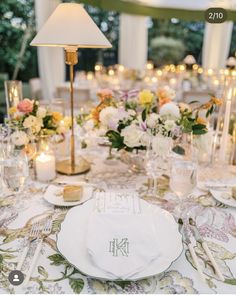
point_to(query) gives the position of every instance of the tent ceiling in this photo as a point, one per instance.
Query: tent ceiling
(187, 4)
(165, 9)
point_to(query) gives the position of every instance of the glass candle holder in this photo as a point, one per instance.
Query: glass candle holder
(14, 94)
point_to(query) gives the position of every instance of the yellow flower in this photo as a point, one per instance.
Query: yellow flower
(57, 117)
(145, 97)
(12, 110)
(201, 121)
(216, 101)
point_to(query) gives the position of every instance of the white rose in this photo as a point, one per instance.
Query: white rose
(19, 138)
(41, 112)
(132, 136)
(152, 120)
(170, 111)
(33, 123)
(145, 139)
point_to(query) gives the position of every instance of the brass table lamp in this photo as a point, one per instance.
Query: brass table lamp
(71, 27)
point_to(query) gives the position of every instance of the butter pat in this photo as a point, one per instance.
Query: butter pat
(72, 193)
(234, 192)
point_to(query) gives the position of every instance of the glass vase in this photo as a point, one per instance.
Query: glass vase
(13, 93)
(45, 161)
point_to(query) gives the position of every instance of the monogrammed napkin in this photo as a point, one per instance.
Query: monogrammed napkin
(122, 244)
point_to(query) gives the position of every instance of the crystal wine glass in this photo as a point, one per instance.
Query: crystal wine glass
(15, 164)
(157, 159)
(183, 180)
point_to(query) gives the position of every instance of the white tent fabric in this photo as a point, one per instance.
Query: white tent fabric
(50, 60)
(216, 45)
(187, 4)
(133, 41)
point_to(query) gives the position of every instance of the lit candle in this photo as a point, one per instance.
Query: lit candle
(90, 76)
(45, 167)
(149, 65)
(14, 96)
(111, 72)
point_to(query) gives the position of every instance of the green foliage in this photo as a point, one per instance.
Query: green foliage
(42, 271)
(178, 150)
(15, 17)
(57, 259)
(190, 33)
(166, 50)
(76, 285)
(116, 139)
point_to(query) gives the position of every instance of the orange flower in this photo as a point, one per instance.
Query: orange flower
(201, 121)
(57, 117)
(163, 101)
(105, 94)
(216, 101)
(207, 105)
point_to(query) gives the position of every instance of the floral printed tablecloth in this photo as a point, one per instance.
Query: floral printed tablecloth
(53, 274)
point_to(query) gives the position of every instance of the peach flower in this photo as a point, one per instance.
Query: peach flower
(201, 121)
(105, 94)
(25, 106)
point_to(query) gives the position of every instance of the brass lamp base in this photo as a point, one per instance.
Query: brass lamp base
(65, 167)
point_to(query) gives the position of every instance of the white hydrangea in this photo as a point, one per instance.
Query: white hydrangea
(19, 138)
(107, 115)
(170, 111)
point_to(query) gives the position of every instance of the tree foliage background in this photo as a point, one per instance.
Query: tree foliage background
(15, 17)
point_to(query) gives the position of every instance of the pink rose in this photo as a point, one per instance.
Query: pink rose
(25, 106)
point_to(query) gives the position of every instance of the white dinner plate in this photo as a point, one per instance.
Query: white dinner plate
(71, 241)
(224, 196)
(54, 196)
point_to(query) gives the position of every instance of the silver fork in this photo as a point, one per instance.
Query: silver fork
(44, 233)
(34, 233)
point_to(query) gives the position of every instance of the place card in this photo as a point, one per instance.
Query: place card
(117, 202)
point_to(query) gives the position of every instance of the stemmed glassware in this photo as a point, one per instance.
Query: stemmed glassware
(183, 179)
(157, 160)
(183, 175)
(15, 163)
(3, 148)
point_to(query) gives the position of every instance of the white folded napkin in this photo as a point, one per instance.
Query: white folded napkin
(122, 244)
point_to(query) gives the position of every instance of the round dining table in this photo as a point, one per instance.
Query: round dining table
(54, 274)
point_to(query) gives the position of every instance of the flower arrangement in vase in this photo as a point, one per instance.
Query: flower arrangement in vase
(128, 123)
(38, 120)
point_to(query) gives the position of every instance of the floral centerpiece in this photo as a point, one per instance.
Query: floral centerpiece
(129, 123)
(37, 120)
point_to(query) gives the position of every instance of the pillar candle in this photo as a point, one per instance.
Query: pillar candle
(45, 167)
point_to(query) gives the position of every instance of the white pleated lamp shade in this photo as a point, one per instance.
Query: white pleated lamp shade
(70, 26)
